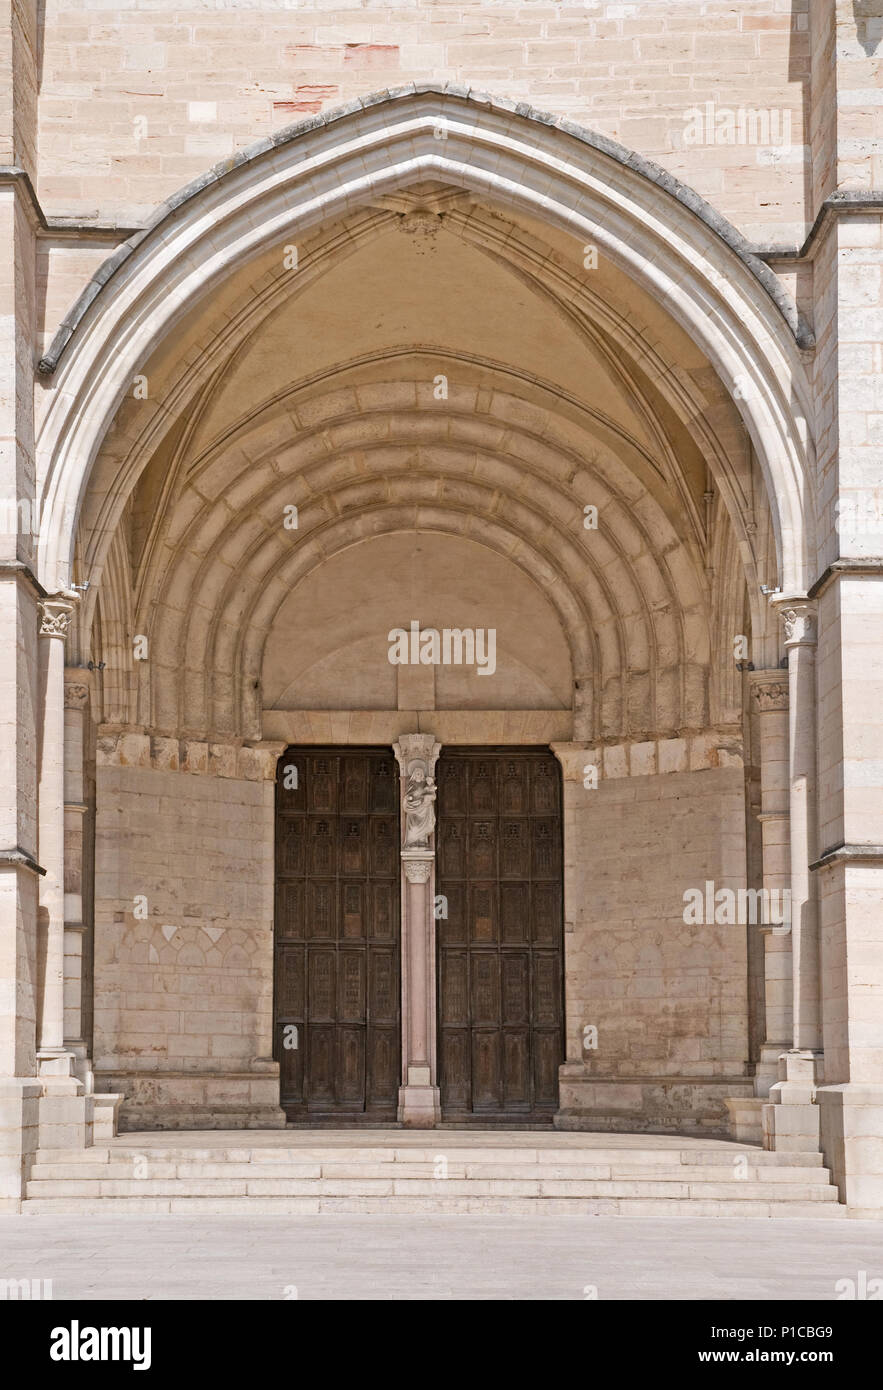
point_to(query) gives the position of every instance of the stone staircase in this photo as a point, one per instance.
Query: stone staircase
(304, 1172)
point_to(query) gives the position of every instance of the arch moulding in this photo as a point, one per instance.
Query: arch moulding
(660, 233)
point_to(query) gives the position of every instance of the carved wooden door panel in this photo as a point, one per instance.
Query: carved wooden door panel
(337, 935)
(501, 946)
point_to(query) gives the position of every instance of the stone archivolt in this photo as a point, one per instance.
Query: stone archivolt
(471, 383)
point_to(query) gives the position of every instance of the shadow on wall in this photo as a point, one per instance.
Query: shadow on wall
(868, 23)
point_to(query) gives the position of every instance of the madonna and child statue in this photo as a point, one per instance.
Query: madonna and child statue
(419, 807)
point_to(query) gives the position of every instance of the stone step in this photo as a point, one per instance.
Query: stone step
(459, 1152)
(357, 1168)
(398, 1171)
(402, 1205)
(744, 1191)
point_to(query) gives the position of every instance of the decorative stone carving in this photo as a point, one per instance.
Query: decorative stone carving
(417, 870)
(421, 222)
(770, 695)
(76, 696)
(419, 805)
(55, 617)
(417, 755)
(800, 624)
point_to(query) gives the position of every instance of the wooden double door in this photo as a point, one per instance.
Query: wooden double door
(499, 935)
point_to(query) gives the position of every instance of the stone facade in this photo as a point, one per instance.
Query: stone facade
(563, 321)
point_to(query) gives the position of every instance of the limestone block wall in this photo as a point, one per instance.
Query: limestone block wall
(184, 943)
(668, 999)
(136, 99)
(183, 994)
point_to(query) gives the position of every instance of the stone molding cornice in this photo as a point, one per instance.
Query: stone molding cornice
(849, 853)
(648, 758)
(838, 569)
(17, 569)
(251, 762)
(845, 203)
(19, 858)
(13, 175)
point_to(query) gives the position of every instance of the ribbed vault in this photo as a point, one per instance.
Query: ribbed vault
(563, 390)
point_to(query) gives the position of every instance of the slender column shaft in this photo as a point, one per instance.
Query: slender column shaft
(769, 691)
(55, 619)
(800, 643)
(419, 1048)
(76, 698)
(418, 1096)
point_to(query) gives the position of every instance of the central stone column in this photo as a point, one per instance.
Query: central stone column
(417, 755)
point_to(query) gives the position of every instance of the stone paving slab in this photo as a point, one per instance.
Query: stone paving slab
(431, 1257)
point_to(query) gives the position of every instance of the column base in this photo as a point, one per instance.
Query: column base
(65, 1112)
(19, 1123)
(419, 1100)
(746, 1118)
(791, 1116)
(82, 1065)
(767, 1070)
(105, 1116)
(56, 1066)
(852, 1142)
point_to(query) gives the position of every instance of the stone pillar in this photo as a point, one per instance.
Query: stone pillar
(791, 1121)
(849, 870)
(55, 616)
(63, 1113)
(800, 643)
(769, 691)
(20, 871)
(575, 1078)
(20, 874)
(848, 588)
(419, 1106)
(76, 703)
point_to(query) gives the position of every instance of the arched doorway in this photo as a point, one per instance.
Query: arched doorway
(440, 385)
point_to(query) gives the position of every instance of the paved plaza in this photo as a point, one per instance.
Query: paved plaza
(439, 1257)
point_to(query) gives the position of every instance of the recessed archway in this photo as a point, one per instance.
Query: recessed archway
(666, 242)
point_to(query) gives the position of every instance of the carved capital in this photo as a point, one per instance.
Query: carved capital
(75, 696)
(417, 868)
(77, 688)
(799, 619)
(417, 746)
(55, 616)
(768, 691)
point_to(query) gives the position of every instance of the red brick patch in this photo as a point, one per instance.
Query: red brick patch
(371, 55)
